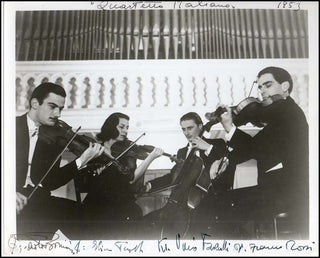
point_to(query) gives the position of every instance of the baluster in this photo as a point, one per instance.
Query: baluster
(72, 92)
(140, 89)
(23, 97)
(153, 92)
(225, 88)
(166, 33)
(95, 87)
(79, 93)
(145, 34)
(136, 33)
(175, 33)
(181, 89)
(126, 92)
(102, 93)
(112, 93)
(167, 90)
(183, 33)
(19, 91)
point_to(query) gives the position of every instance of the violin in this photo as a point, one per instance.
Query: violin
(140, 152)
(61, 133)
(250, 110)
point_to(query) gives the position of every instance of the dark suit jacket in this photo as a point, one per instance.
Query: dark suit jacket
(284, 140)
(218, 150)
(43, 157)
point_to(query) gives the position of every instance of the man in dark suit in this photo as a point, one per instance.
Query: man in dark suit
(199, 154)
(281, 150)
(40, 215)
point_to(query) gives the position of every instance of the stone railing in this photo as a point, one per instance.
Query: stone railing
(153, 93)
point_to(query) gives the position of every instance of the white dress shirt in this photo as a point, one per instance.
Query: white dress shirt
(33, 138)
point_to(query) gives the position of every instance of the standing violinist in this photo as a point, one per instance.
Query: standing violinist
(37, 210)
(174, 216)
(110, 202)
(281, 151)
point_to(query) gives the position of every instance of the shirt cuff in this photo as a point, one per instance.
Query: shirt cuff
(78, 163)
(231, 132)
(207, 152)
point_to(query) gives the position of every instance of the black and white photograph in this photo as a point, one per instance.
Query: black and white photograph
(154, 128)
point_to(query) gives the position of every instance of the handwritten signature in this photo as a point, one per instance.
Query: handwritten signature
(37, 243)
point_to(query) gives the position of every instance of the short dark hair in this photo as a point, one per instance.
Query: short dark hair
(109, 128)
(43, 90)
(279, 74)
(192, 116)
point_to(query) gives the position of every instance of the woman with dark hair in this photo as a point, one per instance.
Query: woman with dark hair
(110, 202)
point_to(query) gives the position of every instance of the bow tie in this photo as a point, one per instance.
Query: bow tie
(34, 132)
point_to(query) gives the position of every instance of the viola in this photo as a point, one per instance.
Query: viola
(61, 133)
(250, 110)
(140, 152)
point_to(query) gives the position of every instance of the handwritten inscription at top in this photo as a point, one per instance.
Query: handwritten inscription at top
(106, 5)
(290, 5)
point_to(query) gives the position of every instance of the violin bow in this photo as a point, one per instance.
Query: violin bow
(56, 160)
(252, 87)
(124, 152)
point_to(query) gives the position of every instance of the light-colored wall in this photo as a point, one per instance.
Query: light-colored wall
(155, 94)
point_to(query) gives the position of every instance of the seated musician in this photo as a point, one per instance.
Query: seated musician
(173, 218)
(40, 214)
(281, 151)
(110, 201)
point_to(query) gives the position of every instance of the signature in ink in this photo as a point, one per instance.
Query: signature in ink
(124, 246)
(38, 241)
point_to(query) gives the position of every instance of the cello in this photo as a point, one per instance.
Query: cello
(249, 110)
